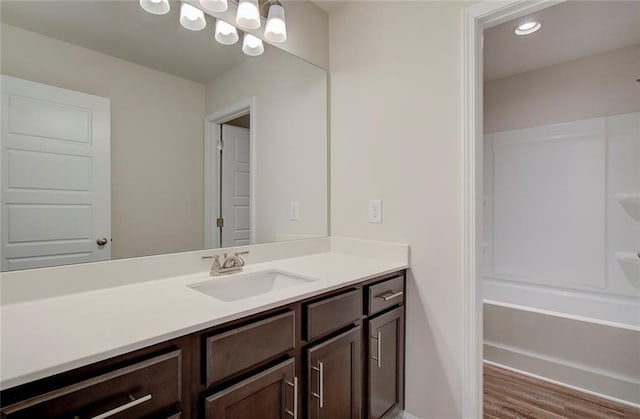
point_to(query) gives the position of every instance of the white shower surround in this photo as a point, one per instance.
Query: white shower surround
(569, 313)
(565, 178)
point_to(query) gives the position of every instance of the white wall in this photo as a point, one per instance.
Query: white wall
(291, 140)
(156, 138)
(396, 136)
(589, 87)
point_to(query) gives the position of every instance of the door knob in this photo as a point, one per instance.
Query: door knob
(102, 241)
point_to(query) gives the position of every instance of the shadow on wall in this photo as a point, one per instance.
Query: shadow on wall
(430, 375)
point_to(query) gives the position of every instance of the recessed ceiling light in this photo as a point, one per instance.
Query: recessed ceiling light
(528, 28)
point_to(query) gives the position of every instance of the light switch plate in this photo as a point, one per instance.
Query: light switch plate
(375, 211)
(294, 210)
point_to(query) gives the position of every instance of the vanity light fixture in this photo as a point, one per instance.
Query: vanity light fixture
(528, 27)
(226, 34)
(248, 14)
(252, 45)
(156, 7)
(247, 17)
(276, 28)
(215, 5)
(192, 18)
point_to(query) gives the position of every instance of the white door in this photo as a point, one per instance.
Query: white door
(54, 175)
(236, 186)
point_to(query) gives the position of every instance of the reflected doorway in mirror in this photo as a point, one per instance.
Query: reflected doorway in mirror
(229, 176)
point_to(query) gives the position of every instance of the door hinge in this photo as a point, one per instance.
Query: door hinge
(220, 145)
(220, 222)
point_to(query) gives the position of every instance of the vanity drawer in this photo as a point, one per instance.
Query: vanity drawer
(385, 294)
(239, 349)
(328, 315)
(149, 387)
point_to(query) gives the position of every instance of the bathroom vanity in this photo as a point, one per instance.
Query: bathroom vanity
(327, 354)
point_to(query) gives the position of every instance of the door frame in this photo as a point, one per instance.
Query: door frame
(475, 19)
(212, 123)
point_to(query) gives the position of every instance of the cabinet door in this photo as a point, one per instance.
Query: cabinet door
(270, 394)
(334, 377)
(386, 363)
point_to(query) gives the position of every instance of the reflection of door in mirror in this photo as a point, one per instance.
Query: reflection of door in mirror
(235, 186)
(55, 176)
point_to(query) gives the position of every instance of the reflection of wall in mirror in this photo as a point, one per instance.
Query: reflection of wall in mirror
(156, 138)
(291, 143)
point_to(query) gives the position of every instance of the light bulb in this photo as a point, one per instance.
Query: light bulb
(528, 28)
(215, 5)
(252, 45)
(276, 29)
(226, 34)
(248, 16)
(192, 18)
(156, 7)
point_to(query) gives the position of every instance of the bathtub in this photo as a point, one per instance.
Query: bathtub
(613, 311)
(554, 335)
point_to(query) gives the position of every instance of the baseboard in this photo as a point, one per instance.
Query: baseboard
(405, 415)
(619, 389)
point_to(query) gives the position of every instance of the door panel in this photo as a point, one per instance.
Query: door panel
(334, 377)
(266, 395)
(236, 186)
(54, 176)
(386, 362)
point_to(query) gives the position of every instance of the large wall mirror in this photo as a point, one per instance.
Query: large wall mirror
(125, 134)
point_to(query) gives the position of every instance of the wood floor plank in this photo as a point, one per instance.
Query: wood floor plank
(509, 395)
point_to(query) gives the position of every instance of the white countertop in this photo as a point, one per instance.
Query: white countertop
(48, 336)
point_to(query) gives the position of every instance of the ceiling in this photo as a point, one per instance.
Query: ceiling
(569, 31)
(123, 30)
(328, 5)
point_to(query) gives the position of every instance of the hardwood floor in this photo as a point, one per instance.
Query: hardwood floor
(511, 395)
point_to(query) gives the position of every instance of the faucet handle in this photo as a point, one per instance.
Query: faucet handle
(237, 254)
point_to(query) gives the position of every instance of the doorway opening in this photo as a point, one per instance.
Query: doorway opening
(555, 141)
(229, 176)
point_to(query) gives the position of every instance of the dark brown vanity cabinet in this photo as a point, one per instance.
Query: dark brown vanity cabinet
(385, 384)
(270, 394)
(385, 348)
(333, 355)
(339, 355)
(334, 377)
(151, 387)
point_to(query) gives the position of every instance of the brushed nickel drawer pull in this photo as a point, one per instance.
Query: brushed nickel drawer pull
(390, 295)
(378, 358)
(320, 394)
(124, 407)
(295, 398)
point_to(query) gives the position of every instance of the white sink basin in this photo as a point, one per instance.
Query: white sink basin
(241, 286)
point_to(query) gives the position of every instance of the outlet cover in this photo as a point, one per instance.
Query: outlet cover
(294, 210)
(375, 211)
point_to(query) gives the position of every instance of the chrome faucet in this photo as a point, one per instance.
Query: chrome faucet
(230, 264)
